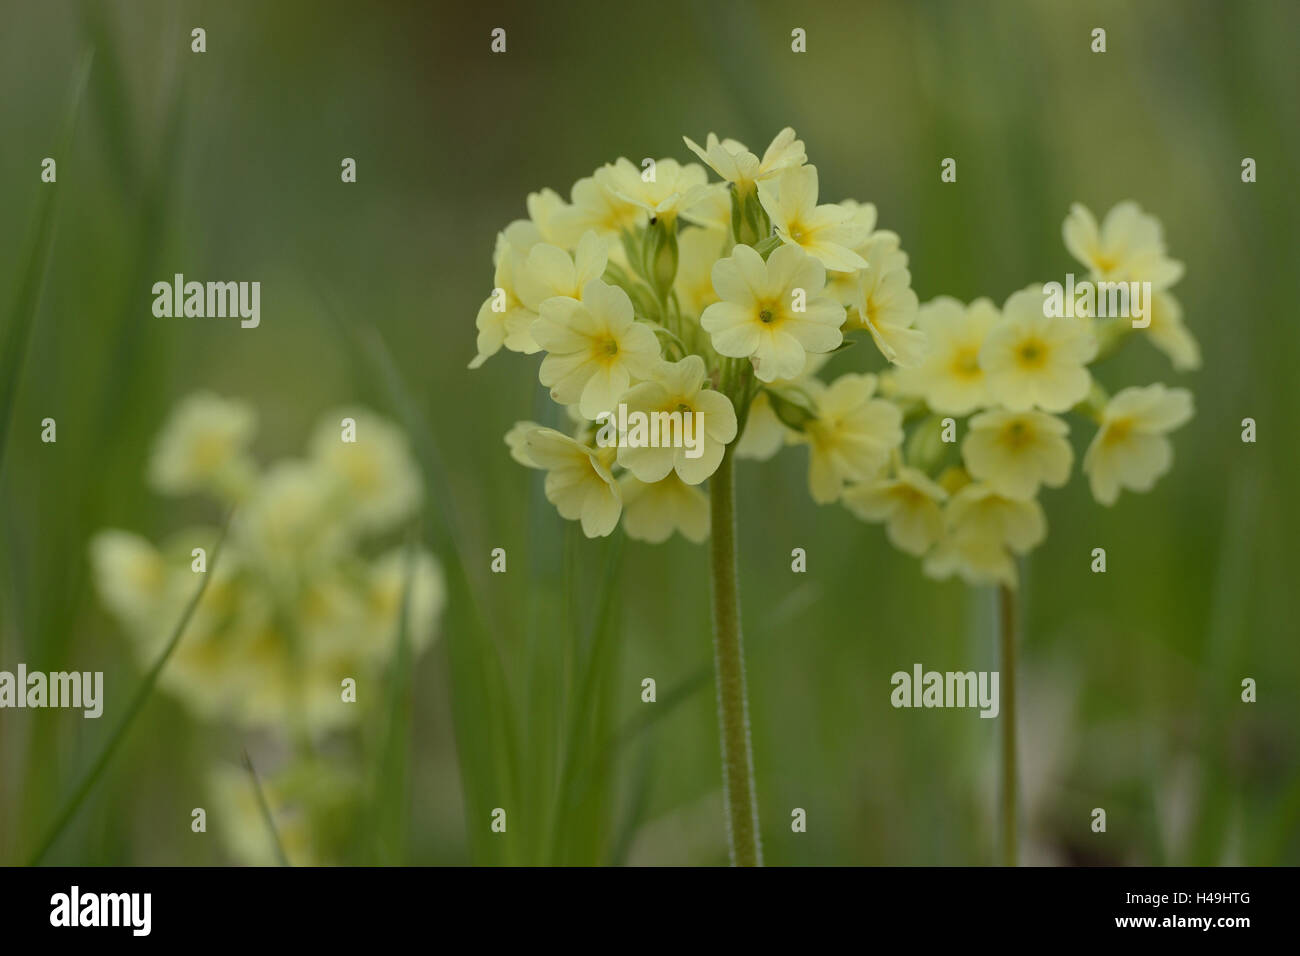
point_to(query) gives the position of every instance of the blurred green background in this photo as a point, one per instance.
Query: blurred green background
(226, 165)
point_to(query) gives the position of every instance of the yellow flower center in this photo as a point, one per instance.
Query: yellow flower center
(907, 496)
(362, 471)
(870, 306)
(966, 363)
(1104, 263)
(1017, 434)
(210, 451)
(605, 348)
(1118, 431)
(1032, 354)
(770, 314)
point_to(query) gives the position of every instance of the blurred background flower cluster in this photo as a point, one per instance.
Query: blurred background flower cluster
(298, 603)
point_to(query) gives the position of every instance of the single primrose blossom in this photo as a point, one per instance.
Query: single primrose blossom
(851, 436)
(1170, 335)
(579, 481)
(676, 390)
(1017, 452)
(503, 319)
(594, 347)
(826, 232)
(1035, 361)
(1128, 246)
(203, 447)
(982, 531)
(672, 189)
(732, 161)
(654, 511)
(772, 312)
(1131, 449)
(884, 304)
(950, 379)
(909, 504)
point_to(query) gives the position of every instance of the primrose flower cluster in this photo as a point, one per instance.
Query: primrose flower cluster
(306, 592)
(655, 291)
(1004, 379)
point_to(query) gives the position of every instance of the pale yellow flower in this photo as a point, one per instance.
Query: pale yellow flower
(243, 829)
(653, 511)
(908, 504)
(1169, 334)
(384, 589)
(826, 232)
(885, 305)
(949, 378)
(1016, 452)
(550, 271)
(982, 529)
(131, 576)
(710, 208)
(1031, 360)
(292, 519)
(308, 800)
(596, 206)
(503, 319)
(546, 211)
(578, 480)
(380, 483)
(698, 249)
(677, 388)
(672, 189)
(1128, 247)
(758, 318)
(732, 161)
(843, 286)
(765, 433)
(203, 446)
(852, 436)
(1131, 449)
(516, 441)
(595, 347)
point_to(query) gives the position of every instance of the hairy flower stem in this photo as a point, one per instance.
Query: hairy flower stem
(1007, 629)
(729, 672)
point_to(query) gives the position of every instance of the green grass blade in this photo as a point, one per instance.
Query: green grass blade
(265, 810)
(581, 760)
(133, 708)
(389, 811)
(22, 314)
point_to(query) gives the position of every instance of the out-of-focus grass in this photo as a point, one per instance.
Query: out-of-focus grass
(137, 700)
(225, 165)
